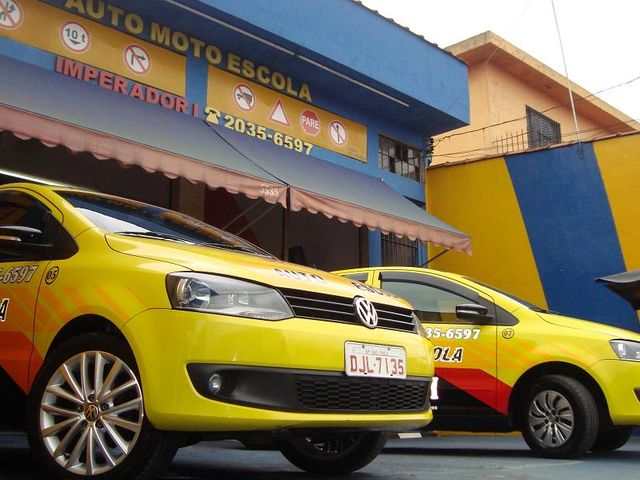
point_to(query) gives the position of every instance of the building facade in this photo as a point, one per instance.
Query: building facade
(546, 224)
(518, 103)
(300, 125)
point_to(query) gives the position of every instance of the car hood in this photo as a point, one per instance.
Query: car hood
(257, 268)
(594, 327)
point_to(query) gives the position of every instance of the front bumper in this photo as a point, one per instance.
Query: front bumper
(166, 342)
(620, 381)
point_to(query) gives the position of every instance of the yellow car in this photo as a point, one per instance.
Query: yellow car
(503, 364)
(126, 329)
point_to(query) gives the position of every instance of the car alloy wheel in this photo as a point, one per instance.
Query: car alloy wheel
(91, 413)
(85, 414)
(551, 418)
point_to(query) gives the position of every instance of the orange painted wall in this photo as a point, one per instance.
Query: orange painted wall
(497, 96)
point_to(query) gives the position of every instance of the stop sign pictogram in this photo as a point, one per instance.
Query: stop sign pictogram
(310, 122)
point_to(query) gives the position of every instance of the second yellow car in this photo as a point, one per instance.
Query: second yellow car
(503, 364)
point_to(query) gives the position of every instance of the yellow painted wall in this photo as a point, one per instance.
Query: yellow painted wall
(479, 198)
(619, 162)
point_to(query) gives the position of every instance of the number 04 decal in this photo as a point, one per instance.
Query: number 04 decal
(4, 306)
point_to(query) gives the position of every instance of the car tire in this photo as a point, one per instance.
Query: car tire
(333, 455)
(85, 414)
(559, 418)
(612, 439)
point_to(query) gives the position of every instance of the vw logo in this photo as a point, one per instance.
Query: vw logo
(91, 412)
(366, 312)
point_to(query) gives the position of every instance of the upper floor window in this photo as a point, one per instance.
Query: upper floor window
(401, 159)
(541, 129)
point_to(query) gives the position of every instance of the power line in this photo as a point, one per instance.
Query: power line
(566, 72)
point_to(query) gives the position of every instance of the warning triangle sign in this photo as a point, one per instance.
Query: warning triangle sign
(278, 115)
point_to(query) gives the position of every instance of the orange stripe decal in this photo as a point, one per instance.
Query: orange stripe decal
(16, 349)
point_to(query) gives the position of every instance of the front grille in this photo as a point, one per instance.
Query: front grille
(319, 392)
(310, 390)
(332, 308)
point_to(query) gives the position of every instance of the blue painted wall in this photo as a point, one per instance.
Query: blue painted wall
(361, 40)
(545, 224)
(571, 230)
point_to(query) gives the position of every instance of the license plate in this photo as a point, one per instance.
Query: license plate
(382, 361)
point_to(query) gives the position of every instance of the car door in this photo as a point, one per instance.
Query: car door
(29, 230)
(461, 323)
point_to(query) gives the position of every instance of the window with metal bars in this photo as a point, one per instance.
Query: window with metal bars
(541, 129)
(401, 159)
(400, 251)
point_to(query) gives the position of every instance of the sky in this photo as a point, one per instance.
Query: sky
(600, 37)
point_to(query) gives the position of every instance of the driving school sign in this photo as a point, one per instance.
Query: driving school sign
(265, 108)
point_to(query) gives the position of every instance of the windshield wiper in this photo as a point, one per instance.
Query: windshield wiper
(238, 248)
(160, 235)
(228, 246)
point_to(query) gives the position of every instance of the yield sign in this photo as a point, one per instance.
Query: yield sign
(278, 115)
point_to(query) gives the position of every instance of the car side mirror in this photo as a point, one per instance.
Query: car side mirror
(20, 241)
(473, 311)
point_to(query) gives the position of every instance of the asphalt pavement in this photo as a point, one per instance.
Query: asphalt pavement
(433, 458)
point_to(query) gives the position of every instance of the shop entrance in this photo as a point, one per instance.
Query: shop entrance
(312, 240)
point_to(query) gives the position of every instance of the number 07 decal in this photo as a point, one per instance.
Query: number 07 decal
(4, 306)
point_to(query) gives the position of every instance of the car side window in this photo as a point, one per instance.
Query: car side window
(32, 223)
(431, 304)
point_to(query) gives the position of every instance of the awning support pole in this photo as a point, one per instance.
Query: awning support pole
(426, 264)
(255, 220)
(242, 214)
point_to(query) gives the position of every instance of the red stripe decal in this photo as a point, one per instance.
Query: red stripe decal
(480, 385)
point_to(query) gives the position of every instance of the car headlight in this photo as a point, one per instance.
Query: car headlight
(626, 349)
(226, 296)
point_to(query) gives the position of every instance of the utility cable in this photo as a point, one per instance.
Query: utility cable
(566, 72)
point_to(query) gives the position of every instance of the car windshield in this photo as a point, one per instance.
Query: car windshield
(529, 305)
(131, 218)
